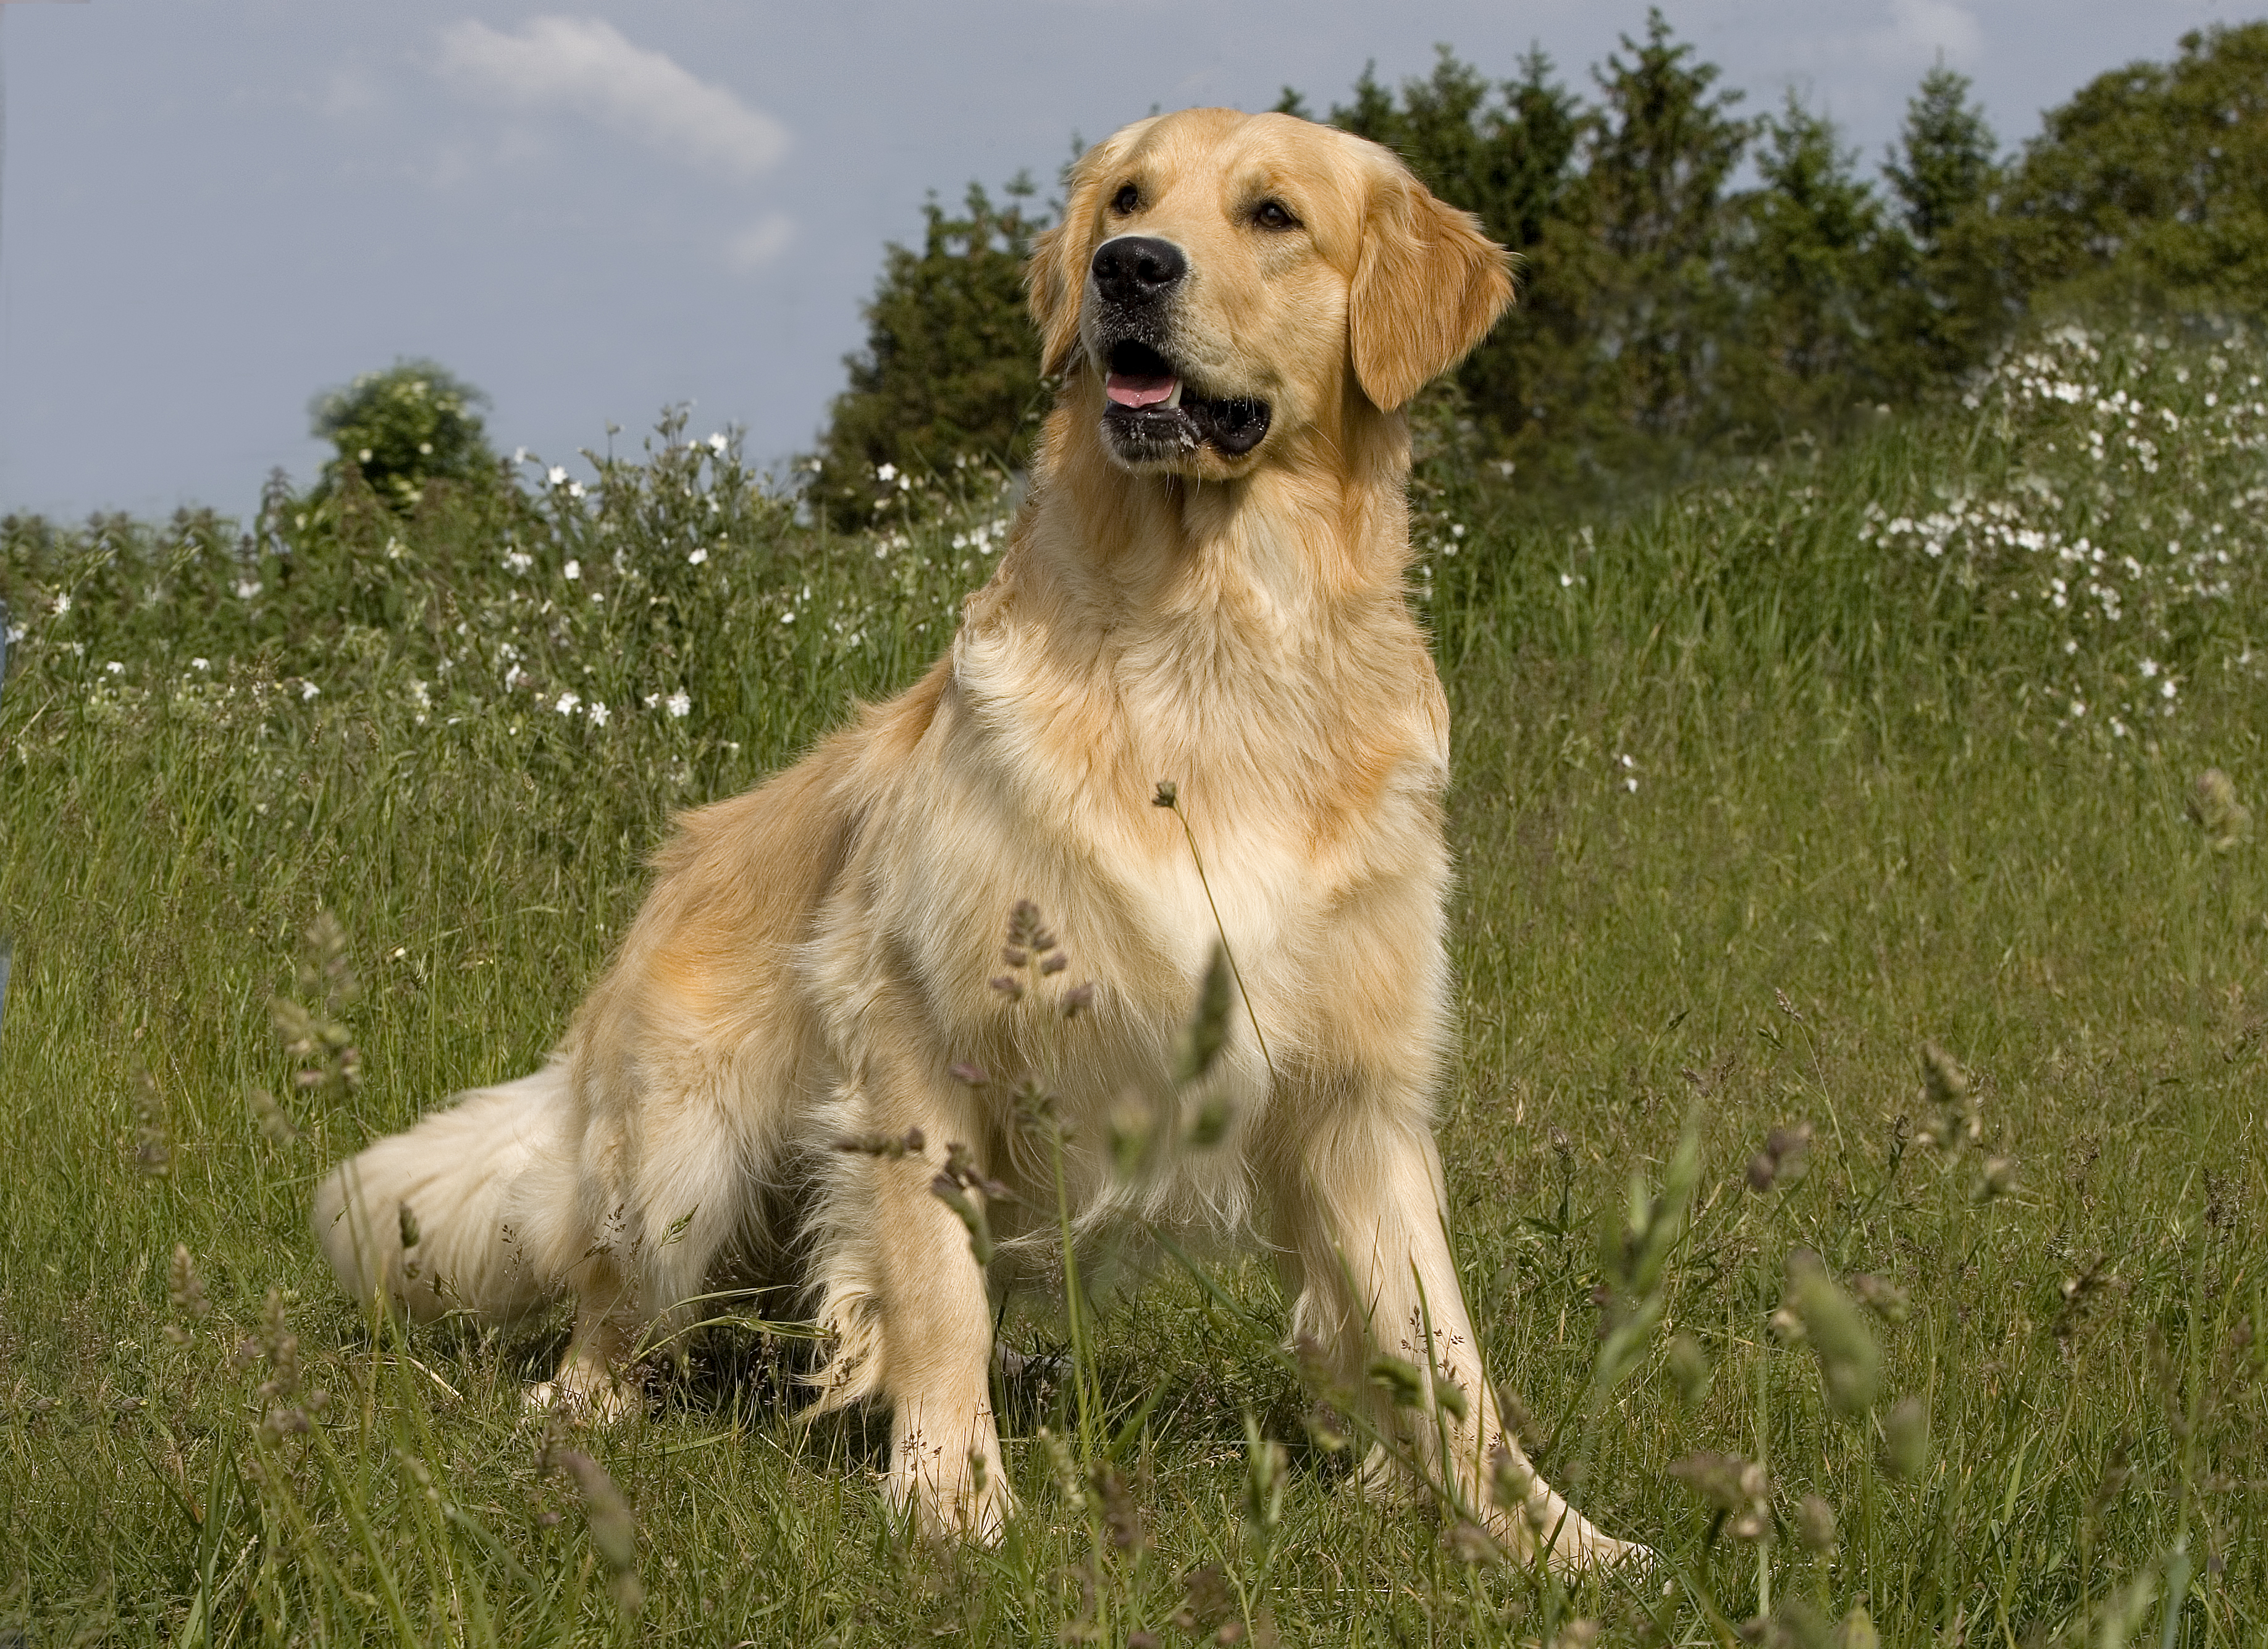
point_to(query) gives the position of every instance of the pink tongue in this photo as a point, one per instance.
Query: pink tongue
(1127, 390)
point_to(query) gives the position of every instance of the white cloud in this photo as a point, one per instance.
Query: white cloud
(759, 243)
(584, 66)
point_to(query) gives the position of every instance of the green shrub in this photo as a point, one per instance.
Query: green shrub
(400, 429)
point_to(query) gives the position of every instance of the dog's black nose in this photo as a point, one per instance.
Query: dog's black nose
(1132, 268)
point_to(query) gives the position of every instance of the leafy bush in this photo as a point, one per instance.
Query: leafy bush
(401, 428)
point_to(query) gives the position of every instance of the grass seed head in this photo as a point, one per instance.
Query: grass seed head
(1815, 1525)
(1951, 1120)
(1784, 1159)
(2214, 808)
(1906, 1439)
(153, 1145)
(1132, 1127)
(1690, 1368)
(1793, 1624)
(1063, 1470)
(614, 1530)
(1995, 1180)
(275, 1124)
(1730, 1485)
(1850, 1363)
(1855, 1631)
(1207, 1031)
(1883, 1297)
(1264, 1478)
(185, 1289)
(1400, 1380)
(1511, 1480)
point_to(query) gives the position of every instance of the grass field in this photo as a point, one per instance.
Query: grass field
(1760, 792)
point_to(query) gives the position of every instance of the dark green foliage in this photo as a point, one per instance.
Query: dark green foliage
(1944, 165)
(1816, 267)
(1950, 301)
(2152, 183)
(1647, 244)
(951, 367)
(1507, 154)
(401, 428)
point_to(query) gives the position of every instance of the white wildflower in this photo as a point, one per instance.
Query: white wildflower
(2149, 668)
(557, 475)
(307, 690)
(718, 444)
(571, 571)
(679, 704)
(518, 560)
(115, 667)
(697, 557)
(597, 713)
(567, 703)
(246, 588)
(200, 664)
(886, 472)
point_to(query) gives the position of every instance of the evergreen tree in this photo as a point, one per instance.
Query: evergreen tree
(1943, 165)
(1644, 244)
(950, 369)
(1503, 152)
(1950, 298)
(1810, 264)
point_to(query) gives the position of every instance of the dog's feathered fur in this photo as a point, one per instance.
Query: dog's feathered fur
(814, 957)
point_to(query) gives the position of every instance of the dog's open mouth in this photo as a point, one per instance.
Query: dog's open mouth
(1153, 415)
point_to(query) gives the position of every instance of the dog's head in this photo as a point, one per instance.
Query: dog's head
(1227, 277)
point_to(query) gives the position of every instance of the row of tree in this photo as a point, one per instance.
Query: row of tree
(1667, 316)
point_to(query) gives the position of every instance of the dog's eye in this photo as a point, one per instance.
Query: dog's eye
(1274, 215)
(1126, 200)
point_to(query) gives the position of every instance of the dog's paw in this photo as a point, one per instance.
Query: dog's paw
(1581, 1547)
(580, 1402)
(953, 1501)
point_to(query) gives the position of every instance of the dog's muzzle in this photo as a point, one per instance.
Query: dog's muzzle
(1151, 413)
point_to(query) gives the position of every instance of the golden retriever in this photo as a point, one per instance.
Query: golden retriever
(1206, 585)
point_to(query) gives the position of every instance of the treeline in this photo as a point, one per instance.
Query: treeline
(1666, 316)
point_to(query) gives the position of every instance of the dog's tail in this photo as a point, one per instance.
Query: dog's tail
(426, 1219)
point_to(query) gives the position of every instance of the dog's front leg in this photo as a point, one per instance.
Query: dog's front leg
(1366, 1244)
(907, 1306)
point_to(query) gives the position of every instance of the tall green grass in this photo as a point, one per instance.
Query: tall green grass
(1755, 797)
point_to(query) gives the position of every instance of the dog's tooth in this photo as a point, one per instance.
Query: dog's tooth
(1174, 399)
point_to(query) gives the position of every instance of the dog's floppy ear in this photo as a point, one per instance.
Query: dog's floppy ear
(1056, 274)
(1428, 287)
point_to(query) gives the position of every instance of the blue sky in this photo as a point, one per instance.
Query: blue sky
(211, 210)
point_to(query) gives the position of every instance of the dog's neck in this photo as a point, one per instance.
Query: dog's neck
(1241, 637)
(1321, 522)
